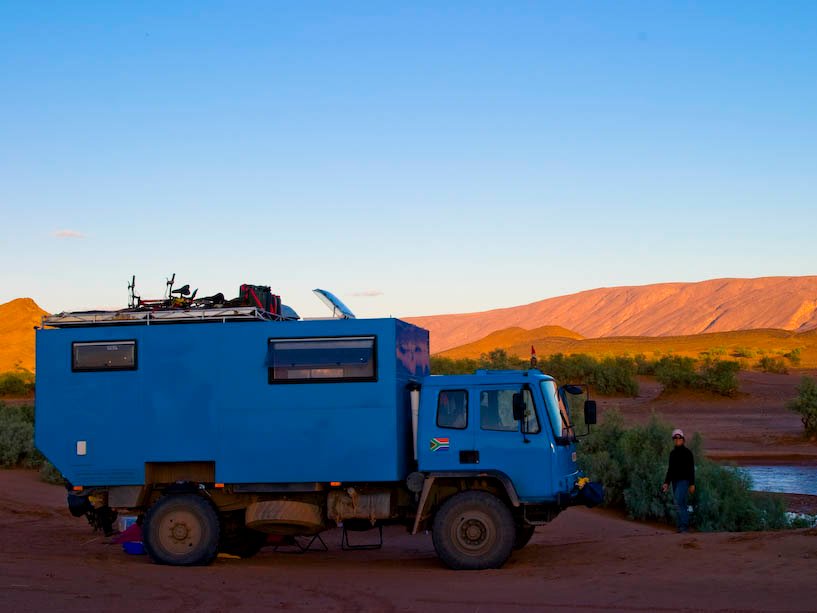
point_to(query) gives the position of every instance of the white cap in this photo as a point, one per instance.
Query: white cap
(678, 432)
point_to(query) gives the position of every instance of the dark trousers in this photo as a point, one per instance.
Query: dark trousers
(680, 489)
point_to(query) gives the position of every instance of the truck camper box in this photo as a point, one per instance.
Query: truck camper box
(260, 401)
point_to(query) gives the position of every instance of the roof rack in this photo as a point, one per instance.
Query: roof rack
(147, 318)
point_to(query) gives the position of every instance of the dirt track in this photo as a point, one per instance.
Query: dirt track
(585, 560)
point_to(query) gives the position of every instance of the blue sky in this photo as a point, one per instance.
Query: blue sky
(414, 158)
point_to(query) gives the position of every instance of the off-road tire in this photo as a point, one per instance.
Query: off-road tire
(286, 517)
(523, 536)
(181, 530)
(473, 531)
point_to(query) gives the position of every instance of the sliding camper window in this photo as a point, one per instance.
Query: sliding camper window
(322, 360)
(103, 355)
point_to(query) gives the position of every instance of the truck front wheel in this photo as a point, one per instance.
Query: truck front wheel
(181, 530)
(473, 531)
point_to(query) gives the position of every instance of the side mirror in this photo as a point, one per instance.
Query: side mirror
(590, 412)
(519, 406)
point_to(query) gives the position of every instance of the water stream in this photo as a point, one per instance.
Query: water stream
(785, 479)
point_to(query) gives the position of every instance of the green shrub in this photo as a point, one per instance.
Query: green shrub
(50, 474)
(743, 352)
(17, 437)
(449, 366)
(611, 375)
(793, 356)
(16, 384)
(608, 376)
(772, 365)
(806, 404)
(643, 365)
(615, 375)
(676, 372)
(714, 375)
(498, 359)
(632, 462)
(719, 376)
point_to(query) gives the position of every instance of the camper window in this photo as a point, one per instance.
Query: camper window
(317, 360)
(103, 355)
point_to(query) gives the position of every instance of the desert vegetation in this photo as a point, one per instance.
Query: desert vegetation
(17, 442)
(608, 375)
(632, 462)
(806, 405)
(16, 384)
(611, 375)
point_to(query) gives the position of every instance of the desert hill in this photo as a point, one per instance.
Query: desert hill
(664, 309)
(17, 321)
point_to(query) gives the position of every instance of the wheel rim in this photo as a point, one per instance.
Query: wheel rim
(474, 533)
(179, 532)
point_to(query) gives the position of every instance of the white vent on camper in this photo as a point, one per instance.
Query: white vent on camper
(339, 310)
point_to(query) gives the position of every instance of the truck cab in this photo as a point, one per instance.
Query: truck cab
(468, 424)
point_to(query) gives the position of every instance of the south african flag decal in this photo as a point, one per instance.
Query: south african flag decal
(438, 444)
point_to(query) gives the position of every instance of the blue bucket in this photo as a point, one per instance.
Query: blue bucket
(134, 548)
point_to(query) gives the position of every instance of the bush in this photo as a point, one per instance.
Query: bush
(16, 384)
(632, 463)
(17, 437)
(714, 375)
(719, 376)
(17, 443)
(793, 356)
(772, 365)
(449, 366)
(50, 474)
(806, 405)
(611, 375)
(643, 365)
(743, 352)
(676, 372)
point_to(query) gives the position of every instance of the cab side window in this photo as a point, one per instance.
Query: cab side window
(496, 411)
(452, 409)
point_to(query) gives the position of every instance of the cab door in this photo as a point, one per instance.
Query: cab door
(527, 459)
(445, 439)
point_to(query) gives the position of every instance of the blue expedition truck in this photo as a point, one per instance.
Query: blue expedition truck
(218, 427)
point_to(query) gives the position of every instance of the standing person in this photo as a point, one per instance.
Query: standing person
(681, 474)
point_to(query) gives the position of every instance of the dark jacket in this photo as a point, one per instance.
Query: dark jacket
(681, 466)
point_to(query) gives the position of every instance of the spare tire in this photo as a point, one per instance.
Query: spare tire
(286, 517)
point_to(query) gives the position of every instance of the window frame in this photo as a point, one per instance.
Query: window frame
(518, 427)
(130, 341)
(437, 416)
(271, 380)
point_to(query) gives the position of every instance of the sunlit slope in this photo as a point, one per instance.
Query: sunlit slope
(750, 345)
(17, 321)
(664, 309)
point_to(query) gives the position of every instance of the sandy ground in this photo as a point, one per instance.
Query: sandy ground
(589, 560)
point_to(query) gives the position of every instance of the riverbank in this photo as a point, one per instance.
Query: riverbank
(754, 427)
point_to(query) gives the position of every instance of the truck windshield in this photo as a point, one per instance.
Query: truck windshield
(557, 411)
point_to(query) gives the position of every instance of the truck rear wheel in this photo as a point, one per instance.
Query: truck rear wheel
(181, 530)
(473, 531)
